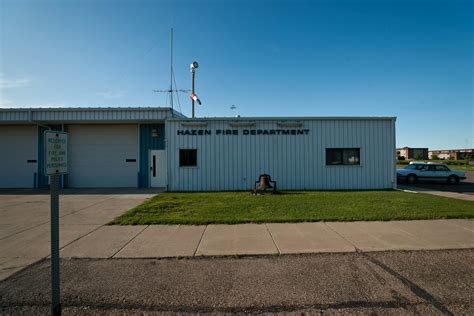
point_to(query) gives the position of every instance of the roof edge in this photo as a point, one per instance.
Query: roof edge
(90, 109)
(275, 118)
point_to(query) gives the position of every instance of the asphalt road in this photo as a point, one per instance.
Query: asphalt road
(408, 282)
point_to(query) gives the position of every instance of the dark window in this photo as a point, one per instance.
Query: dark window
(442, 168)
(423, 167)
(188, 157)
(342, 156)
(416, 167)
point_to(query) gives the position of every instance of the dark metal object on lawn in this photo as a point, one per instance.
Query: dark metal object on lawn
(263, 183)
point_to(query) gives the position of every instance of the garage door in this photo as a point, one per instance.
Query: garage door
(18, 156)
(103, 156)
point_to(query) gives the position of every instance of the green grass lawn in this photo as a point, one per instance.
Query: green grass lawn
(243, 207)
(462, 167)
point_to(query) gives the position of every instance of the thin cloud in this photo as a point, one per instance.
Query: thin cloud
(5, 103)
(109, 94)
(6, 83)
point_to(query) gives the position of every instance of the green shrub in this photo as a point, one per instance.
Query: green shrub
(456, 162)
(402, 162)
(448, 162)
(401, 157)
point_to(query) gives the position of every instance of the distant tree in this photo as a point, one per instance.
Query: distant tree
(418, 157)
(401, 157)
(434, 157)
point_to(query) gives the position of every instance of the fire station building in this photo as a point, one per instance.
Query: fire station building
(159, 147)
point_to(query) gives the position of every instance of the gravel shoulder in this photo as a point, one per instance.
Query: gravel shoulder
(407, 282)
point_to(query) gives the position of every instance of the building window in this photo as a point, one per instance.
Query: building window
(188, 157)
(342, 156)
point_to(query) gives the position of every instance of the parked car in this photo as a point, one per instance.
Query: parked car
(419, 171)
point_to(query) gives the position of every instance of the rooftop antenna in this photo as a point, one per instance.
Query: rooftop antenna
(172, 90)
(233, 108)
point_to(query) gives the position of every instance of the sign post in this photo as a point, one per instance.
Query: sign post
(55, 164)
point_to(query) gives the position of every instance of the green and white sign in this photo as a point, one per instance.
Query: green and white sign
(55, 156)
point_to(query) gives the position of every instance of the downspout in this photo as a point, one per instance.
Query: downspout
(30, 119)
(394, 151)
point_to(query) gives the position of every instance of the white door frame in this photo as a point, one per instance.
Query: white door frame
(157, 171)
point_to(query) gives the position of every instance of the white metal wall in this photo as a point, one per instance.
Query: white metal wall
(228, 162)
(18, 145)
(98, 153)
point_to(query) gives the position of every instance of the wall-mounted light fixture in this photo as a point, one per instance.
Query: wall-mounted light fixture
(154, 132)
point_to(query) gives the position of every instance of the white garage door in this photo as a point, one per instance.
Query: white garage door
(103, 156)
(18, 156)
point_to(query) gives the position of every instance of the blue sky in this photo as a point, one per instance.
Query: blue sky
(410, 59)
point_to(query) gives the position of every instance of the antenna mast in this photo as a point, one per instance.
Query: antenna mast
(172, 89)
(171, 69)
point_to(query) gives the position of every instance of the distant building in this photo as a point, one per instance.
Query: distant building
(456, 154)
(412, 153)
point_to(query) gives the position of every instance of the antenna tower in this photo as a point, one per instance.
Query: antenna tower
(172, 89)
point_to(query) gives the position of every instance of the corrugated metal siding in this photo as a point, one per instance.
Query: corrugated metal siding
(14, 116)
(87, 114)
(18, 156)
(146, 143)
(229, 162)
(98, 155)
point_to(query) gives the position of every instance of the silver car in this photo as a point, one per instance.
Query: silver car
(419, 171)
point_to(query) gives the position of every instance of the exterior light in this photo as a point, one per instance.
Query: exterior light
(194, 66)
(154, 133)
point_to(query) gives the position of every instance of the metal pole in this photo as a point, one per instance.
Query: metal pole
(192, 100)
(55, 295)
(171, 68)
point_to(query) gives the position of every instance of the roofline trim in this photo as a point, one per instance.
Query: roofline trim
(276, 118)
(89, 109)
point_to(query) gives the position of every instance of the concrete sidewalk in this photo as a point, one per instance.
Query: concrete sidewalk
(159, 241)
(25, 232)
(25, 228)
(84, 214)
(96, 240)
